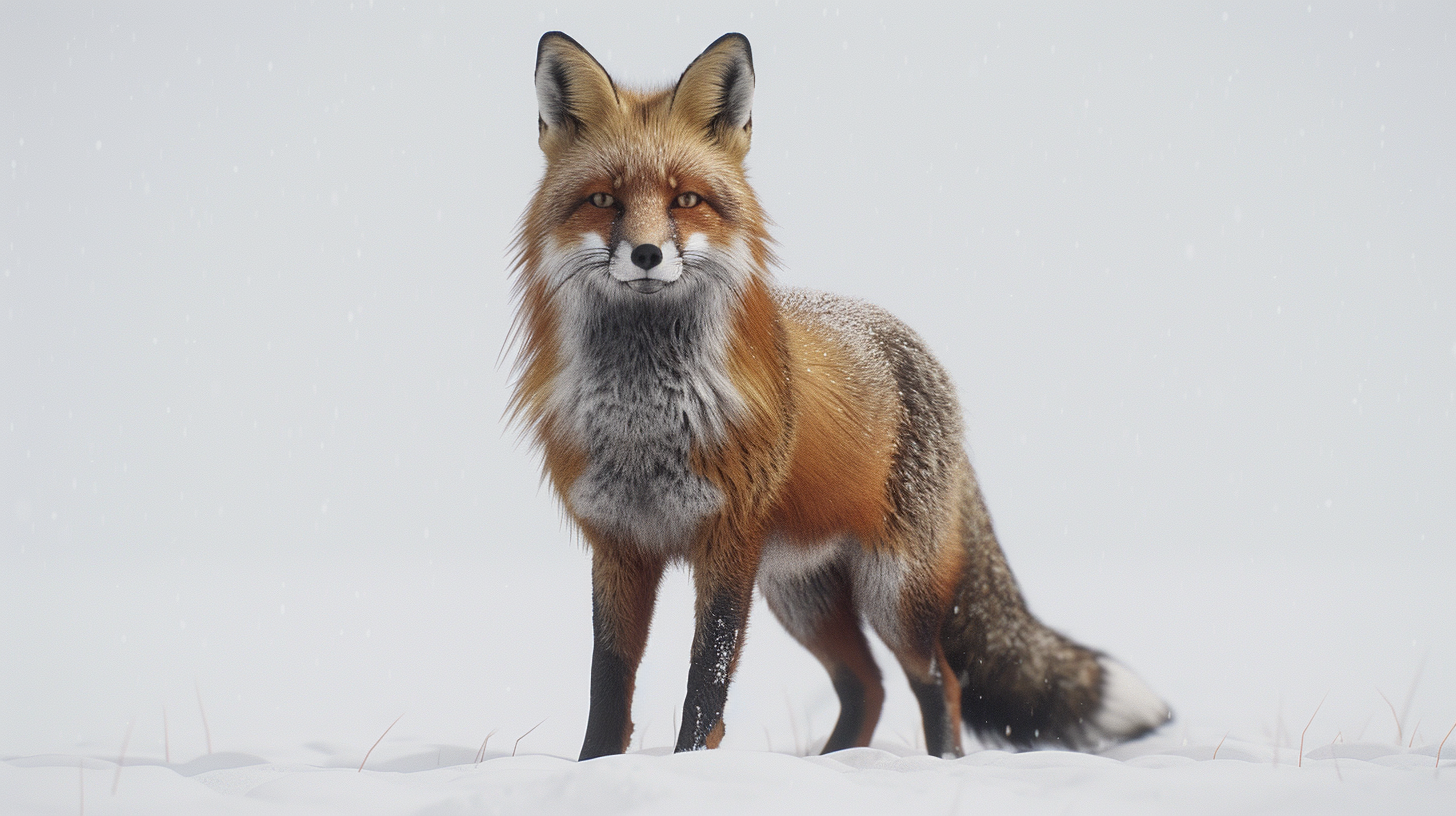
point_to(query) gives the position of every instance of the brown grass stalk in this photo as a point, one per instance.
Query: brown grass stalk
(121, 759)
(523, 736)
(376, 744)
(206, 732)
(1399, 730)
(1443, 745)
(480, 755)
(1336, 757)
(1317, 708)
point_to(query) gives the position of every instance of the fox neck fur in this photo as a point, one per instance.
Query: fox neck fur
(644, 382)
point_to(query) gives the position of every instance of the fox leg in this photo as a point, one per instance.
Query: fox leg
(818, 610)
(624, 590)
(938, 692)
(723, 572)
(900, 599)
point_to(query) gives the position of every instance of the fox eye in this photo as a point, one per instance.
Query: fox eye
(602, 200)
(687, 200)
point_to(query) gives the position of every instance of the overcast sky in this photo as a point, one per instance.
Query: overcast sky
(1192, 269)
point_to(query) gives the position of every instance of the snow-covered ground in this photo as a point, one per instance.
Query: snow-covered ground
(1193, 271)
(432, 779)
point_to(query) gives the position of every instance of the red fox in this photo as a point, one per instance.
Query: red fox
(688, 410)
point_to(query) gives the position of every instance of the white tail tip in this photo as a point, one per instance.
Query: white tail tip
(1129, 708)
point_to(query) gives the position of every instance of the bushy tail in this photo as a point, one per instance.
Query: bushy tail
(1022, 684)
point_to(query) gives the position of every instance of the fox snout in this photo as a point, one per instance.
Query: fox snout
(646, 268)
(647, 256)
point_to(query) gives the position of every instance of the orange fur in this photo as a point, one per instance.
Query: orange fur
(845, 437)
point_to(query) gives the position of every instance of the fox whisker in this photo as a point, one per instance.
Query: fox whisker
(582, 260)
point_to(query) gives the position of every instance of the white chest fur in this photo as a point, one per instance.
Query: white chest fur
(644, 383)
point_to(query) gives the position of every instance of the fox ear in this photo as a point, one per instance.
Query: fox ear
(715, 93)
(573, 90)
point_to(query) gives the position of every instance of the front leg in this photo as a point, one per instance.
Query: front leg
(724, 575)
(624, 589)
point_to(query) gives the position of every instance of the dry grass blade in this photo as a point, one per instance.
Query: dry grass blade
(376, 744)
(1219, 745)
(528, 733)
(1399, 731)
(206, 732)
(121, 759)
(1443, 745)
(1410, 693)
(1300, 764)
(480, 755)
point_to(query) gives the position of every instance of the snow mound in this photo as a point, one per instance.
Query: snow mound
(1148, 777)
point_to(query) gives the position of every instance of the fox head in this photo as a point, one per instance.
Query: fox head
(644, 194)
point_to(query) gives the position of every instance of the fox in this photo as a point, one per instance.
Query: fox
(689, 410)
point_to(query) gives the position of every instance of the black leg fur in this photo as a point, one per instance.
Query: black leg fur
(715, 650)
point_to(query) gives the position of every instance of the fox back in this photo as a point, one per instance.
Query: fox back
(688, 410)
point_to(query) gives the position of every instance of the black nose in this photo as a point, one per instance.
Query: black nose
(647, 256)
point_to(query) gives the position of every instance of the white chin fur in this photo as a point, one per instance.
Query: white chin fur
(1129, 707)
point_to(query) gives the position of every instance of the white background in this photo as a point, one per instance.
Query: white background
(1192, 269)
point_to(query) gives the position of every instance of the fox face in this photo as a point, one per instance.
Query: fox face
(645, 240)
(644, 193)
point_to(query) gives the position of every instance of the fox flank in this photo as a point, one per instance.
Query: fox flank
(689, 410)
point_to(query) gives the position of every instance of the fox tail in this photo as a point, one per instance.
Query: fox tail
(1024, 685)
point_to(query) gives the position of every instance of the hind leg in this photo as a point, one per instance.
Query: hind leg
(904, 605)
(818, 610)
(938, 692)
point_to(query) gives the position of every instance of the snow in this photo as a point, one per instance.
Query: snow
(1190, 270)
(729, 781)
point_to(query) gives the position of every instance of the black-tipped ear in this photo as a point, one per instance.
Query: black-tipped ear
(573, 90)
(715, 93)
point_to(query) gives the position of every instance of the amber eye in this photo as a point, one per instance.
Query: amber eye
(687, 200)
(602, 200)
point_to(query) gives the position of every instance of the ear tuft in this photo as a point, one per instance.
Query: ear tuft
(573, 90)
(715, 93)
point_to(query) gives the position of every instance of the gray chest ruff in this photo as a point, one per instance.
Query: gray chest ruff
(638, 483)
(642, 389)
